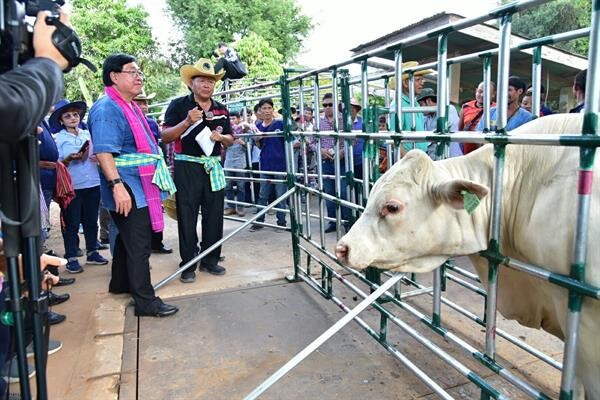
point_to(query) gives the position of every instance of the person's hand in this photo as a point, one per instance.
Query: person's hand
(74, 157)
(216, 135)
(42, 39)
(325, 155)
(122, 199)
(46, 260)
(194, 115)
(239, 141)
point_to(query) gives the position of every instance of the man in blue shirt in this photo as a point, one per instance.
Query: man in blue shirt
(122, 189)
(516, 115)
(272, 158)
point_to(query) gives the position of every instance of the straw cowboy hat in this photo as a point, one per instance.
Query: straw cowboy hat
(170, 206)
(60, 108)
(406, 65)
(143, 96)
(355, 103)
(203, 67)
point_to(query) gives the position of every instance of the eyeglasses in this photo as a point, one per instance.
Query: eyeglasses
(325, 105)
(71, 115)
(133, 73)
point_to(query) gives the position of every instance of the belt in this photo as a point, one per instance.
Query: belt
(212, 166)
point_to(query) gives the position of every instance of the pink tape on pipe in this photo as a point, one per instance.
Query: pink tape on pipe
(585, 182)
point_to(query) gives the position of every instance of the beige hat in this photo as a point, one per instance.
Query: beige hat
(355, 103)
(143, 96)
(406, 65)
(203, 67)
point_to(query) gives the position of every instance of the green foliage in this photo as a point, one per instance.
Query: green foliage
(263, 61)
(110, 26)
(556, 17)
(206, 23)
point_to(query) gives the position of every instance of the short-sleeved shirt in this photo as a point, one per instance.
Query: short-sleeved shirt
(48, 152)
(272, 150)
(84, 173)
(235, 155)
(520, 117)
(111, 133)
(407, 123)
(216, 115)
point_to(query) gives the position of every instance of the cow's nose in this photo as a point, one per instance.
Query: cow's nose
(341, 251)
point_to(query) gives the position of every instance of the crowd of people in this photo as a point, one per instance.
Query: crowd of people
(110, 169)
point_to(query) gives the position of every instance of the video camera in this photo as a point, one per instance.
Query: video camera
(16, 34)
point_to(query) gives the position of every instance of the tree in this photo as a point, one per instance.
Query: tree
(263, 61)
(206, 23)
(556, 17)
(110, 26)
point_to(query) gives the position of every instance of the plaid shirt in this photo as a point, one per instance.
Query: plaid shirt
(327, 142)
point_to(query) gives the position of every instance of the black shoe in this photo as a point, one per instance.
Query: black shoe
(222, 258)
(163, 250)
(188, 276)
(163, 310)
(56, 299)
(330, 228)
(55, 318)
(213, 269)
(255, 228)
(102, 246)
(65, 281)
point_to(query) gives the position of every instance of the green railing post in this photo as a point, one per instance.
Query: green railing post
(289, 139)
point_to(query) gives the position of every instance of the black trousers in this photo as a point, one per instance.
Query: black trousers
(130, 265)
(157, 238)
(194, 195)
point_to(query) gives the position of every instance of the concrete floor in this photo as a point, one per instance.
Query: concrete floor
(224, 344)
(225, 323)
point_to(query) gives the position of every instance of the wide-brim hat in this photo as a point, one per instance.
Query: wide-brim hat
(426, 93)
(407, 65)
(355, 103)
(60, 108)
(143, 96)
(203, 67)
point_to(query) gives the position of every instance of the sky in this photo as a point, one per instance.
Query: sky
(344, 24)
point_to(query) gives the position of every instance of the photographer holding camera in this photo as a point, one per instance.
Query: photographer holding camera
(28, 92)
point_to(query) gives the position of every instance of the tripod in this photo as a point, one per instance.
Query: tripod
(19, 202)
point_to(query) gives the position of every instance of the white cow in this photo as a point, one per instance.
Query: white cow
(414, 220)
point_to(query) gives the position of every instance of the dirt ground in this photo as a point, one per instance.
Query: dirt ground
(90, 364)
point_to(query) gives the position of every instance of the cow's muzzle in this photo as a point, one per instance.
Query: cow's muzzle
(341, 252)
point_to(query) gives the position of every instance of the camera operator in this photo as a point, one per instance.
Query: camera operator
(27, 92)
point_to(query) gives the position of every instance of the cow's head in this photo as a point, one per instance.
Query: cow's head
(414, 219)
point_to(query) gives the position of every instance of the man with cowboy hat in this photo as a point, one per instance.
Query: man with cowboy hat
(406, 123)
(135, 180)
(199, 175)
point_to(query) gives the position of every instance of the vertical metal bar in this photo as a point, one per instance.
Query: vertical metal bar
(536, 81)
(586, 171)
(291, 168)
(398, 97)
(487, 100)
(316, 114)
(337, 153)
(364, 91)
(307, 195)
(492, 289)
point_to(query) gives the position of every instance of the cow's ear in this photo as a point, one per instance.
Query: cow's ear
(453, 192)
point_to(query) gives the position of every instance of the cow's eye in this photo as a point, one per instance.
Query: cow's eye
(392, 208)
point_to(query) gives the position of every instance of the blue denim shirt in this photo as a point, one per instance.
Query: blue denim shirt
(112, 134)
(520, 117)
(84, 173)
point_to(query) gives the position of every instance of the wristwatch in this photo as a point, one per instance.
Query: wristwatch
(112, 183)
